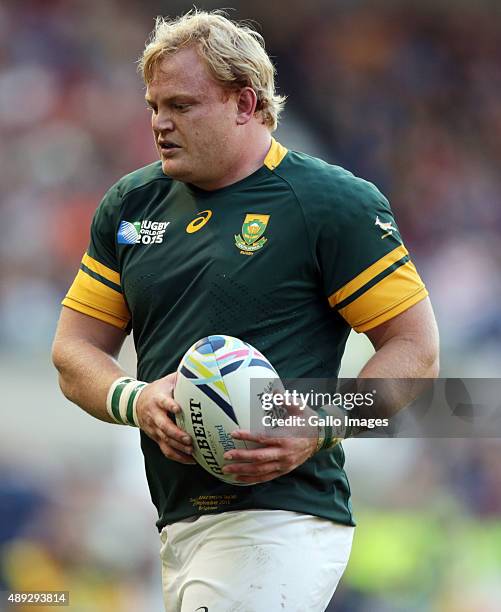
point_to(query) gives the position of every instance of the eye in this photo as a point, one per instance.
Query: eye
(181, 107)
(151, 107)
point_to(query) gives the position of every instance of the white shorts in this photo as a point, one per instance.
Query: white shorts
(253, 561)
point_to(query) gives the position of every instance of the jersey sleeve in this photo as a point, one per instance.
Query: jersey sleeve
(367, 273)
(96, 290)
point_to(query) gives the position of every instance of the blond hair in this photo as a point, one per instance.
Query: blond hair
(234, 54)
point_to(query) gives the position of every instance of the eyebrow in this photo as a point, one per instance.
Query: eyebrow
(174, 98)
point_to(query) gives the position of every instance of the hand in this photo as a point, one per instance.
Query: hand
(155, 401)
(279, 455)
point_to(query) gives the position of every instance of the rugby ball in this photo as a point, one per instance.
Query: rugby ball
(219, 385)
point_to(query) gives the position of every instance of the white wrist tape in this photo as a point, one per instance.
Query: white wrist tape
(122, 399)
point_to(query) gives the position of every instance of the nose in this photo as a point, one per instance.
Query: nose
(162, 122)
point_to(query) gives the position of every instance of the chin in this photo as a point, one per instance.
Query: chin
(177, 172)
(171, 170)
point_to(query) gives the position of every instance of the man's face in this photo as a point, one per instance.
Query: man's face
(193, 120)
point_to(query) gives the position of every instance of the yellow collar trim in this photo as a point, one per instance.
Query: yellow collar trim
(275, 155)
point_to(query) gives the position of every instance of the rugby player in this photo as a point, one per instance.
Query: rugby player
(232, 233)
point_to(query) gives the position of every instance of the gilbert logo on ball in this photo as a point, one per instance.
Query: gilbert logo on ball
(213, 388)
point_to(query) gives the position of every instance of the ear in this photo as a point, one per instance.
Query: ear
(246, 105)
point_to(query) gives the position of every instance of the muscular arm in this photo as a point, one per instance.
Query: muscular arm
(85, 352)
(407, 352)
(406, 346)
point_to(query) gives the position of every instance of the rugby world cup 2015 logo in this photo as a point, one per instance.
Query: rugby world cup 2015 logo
(251, 239)
(141, 232)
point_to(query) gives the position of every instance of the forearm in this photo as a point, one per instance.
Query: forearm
(84, 353)
(86, 373)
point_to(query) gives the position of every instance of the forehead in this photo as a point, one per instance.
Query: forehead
(183, 71)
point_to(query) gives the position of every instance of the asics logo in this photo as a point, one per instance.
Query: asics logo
(199, 222)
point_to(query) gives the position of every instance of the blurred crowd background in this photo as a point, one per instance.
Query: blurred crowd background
(404, 94)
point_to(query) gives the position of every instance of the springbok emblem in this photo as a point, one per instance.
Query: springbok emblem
(386, 227)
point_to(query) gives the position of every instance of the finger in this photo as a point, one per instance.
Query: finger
(159, 435)
(253, 469)
(175, 455)
(170, 430)
(186, 449)
(181, 437)
(167, 403)
(244, 434)
(254, 455)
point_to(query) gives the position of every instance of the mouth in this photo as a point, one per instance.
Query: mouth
(167, 145)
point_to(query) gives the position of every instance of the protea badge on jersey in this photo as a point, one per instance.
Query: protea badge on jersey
(213, 388)
(251, 238)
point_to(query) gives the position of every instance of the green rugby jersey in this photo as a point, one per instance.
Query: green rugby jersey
(288, 259)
